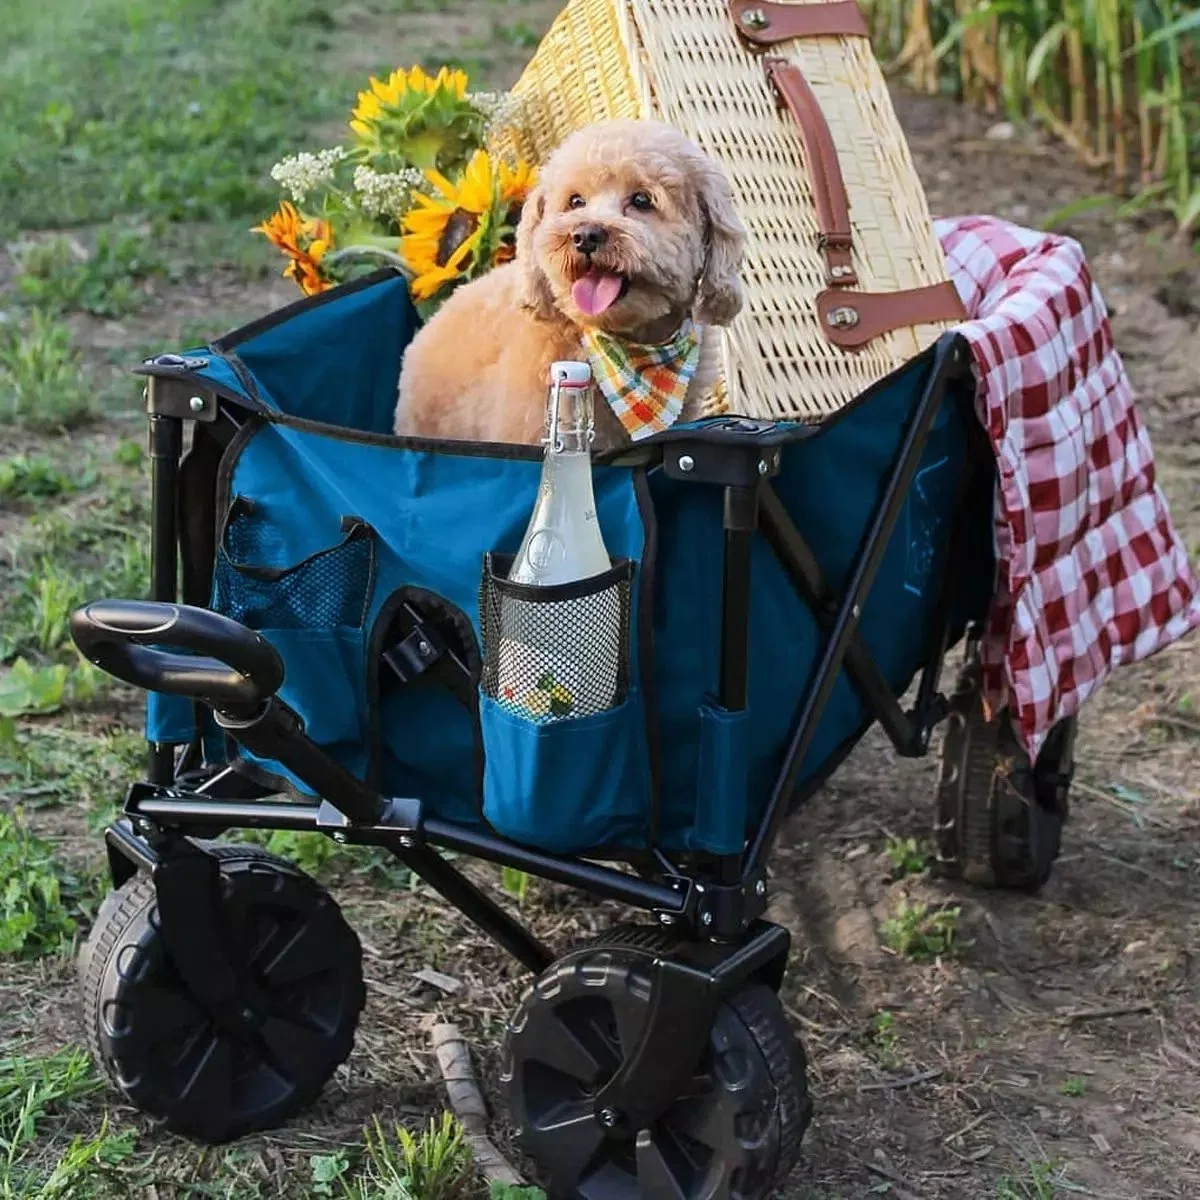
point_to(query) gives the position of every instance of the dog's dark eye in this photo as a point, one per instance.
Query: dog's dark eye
(576, 201)
(641, 201)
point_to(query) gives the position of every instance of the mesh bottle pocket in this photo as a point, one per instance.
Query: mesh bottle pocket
(330, 589)
(566, 761)
(555, 653)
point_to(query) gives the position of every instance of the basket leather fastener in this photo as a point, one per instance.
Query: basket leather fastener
(763, 23)
(849, 319)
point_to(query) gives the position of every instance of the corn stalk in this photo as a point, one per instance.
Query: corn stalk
(1117, 80)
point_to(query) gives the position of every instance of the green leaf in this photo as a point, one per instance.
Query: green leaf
(1047, 45)
(1167, 33)
(26, 690)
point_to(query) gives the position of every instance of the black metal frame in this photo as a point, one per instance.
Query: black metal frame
(715, 907)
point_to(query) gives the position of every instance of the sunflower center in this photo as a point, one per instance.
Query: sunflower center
(458, 228)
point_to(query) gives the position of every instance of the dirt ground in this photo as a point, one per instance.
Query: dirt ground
(1058, 1051)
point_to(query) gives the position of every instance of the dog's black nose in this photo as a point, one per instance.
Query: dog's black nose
(589, 238)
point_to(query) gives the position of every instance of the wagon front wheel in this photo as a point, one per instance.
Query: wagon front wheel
(302, 964)
(735, 1128)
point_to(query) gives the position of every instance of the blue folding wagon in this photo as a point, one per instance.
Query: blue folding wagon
(319, 656)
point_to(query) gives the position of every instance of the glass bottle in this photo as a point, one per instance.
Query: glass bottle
(559, 658)
(562, 541)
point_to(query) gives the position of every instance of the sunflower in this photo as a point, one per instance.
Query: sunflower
(412, 118)
(465, 226)
(305, 241)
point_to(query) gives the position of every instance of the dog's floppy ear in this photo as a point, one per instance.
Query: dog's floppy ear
(535, 287)
(719, 296)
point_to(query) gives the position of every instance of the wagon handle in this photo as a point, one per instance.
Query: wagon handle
(227, 666)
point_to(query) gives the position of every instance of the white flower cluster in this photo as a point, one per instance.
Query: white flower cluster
(300, 174)
(500, 109)
(380, 194)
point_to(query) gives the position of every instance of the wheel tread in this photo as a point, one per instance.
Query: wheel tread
(124, 907)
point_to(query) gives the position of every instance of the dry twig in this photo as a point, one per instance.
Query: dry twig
(466, 1102)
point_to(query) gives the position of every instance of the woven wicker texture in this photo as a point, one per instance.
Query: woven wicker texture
(681, 61)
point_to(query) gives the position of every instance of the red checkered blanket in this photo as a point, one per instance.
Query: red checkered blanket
(1091, 574)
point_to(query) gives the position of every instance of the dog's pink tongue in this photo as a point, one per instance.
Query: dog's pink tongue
(596, 292)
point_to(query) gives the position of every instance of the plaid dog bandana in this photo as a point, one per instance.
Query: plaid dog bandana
(644, 385)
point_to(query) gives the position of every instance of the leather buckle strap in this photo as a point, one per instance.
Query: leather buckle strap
(852, 319)
(835, 239)
(848, 318)
(761, 23)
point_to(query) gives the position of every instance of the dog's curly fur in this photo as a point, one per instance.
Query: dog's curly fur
(479, 369)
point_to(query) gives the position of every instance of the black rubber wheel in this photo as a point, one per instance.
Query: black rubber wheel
(168, 1057)
(734, 1132)
(999, 820)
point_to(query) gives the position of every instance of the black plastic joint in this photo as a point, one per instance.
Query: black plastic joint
(741, 509)
(728, 910)
(400, 821)
(180, 399)
(739, 465)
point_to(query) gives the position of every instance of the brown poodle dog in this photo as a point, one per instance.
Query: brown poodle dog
(630, 231)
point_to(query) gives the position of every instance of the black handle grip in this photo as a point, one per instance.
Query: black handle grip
(229, 667)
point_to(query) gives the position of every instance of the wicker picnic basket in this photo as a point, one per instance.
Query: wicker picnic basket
(845, 278)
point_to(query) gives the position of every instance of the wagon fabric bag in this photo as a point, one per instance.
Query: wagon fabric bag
(844, 277)
(330, 531)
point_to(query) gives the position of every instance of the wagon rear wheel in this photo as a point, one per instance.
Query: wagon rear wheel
(999, 819)
(734, 1130)
(303, 964)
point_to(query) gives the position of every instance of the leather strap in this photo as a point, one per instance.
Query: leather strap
(852, 319)
(849, 319)
(792, 91)
(763, 23)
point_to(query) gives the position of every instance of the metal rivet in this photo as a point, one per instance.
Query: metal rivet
(406, 842)
(687, 462)
(666, 919)
(762, 466)
(609, 1118)
(760, 888)
(755, 18)
(843, 318)
(840, 272)
(856, 612)
(196, 404)
(706, 918)
(423, 647)
(340, 837)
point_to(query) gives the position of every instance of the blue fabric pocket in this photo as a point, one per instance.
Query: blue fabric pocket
(721, 782)
(313, 613)
(568, 785)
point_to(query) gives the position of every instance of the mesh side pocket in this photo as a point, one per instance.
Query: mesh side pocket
(554, 653)
(328, 590)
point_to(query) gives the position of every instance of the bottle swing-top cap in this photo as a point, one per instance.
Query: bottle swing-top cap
(576, 379)
(571, 374)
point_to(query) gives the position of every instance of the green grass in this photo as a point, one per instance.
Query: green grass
(38, 477)
(59, 275)
(1037, 1182)
(883, 1038)
(39, 900)
(906, 857)
(42, 765)
(68, 556)
(432, 1165)
(41, 382)
(917, 932)
(1073, 1087)
(34, 1163)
